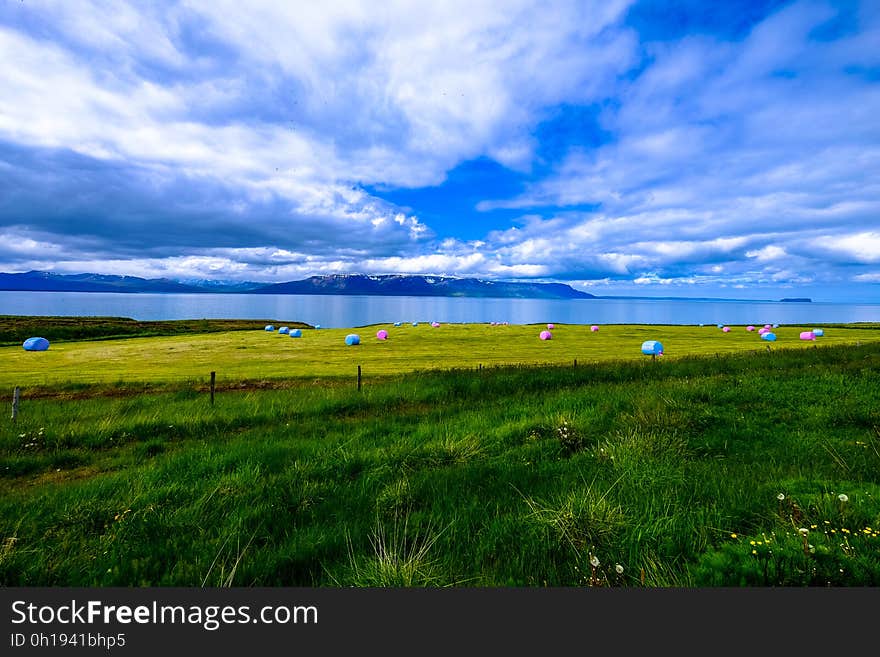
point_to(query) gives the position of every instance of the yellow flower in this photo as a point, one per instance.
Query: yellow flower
(733, 536)
(754, 552)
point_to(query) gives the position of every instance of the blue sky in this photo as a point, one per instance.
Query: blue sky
(678, 148)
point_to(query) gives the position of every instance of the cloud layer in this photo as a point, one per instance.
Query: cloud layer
(218, 140)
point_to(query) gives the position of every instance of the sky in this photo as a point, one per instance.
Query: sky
(679, 148)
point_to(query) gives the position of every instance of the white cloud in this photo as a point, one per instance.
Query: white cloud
(765, 142)
(721, 161)
(769, 252)
(395, 94)
(858, 247)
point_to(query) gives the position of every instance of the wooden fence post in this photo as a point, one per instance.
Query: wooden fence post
(15, 396)
(213, 379)
(359, 377)
(575, 362)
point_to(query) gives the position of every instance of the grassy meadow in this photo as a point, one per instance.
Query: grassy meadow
(719, 464)
(254, 355)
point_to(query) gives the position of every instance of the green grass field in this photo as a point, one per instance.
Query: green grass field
(749, 468)
(319, 354)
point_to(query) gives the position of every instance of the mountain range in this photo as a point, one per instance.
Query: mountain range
(346, 284)
(415, 285)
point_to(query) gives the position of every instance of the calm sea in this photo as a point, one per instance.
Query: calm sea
(351, 311)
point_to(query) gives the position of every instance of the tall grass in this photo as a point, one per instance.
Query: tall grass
(627, 473)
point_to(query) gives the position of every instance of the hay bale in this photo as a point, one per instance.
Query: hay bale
(35, 344)
(652, 348)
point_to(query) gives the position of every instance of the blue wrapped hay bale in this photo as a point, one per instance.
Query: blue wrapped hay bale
(818, 332)
(652, 348)
(352, 339)
(284, 330)
(296, 333)
(769, 336)
(269, 327)
(35, 344)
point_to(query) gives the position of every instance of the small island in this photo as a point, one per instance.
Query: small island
(797, 300)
